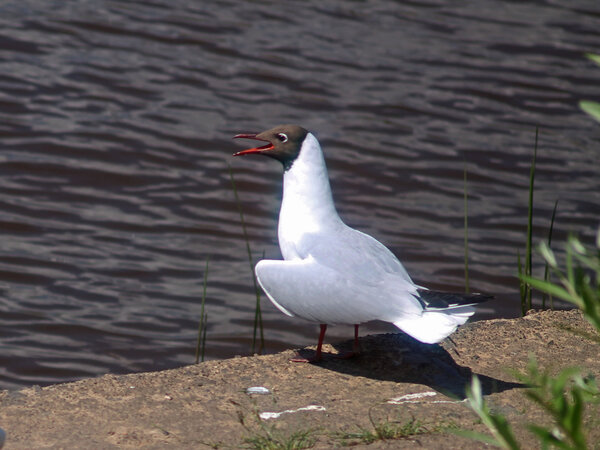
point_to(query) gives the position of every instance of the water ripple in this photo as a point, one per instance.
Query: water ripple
(115, 123)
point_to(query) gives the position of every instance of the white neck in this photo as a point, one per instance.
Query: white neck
(307, 205)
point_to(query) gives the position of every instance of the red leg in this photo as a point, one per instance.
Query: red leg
(320, 344)
(317, 356)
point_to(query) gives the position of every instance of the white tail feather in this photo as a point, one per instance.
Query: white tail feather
(434, 326)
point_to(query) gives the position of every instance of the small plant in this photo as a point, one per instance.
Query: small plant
(266, 437)
(563, 397)
(270, 440)
(383, 430)
(579, 283)
(502, 435)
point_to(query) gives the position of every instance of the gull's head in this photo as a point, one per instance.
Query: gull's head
(282, 143)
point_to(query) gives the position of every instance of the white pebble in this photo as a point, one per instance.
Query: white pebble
(257, 390)
(276, 415)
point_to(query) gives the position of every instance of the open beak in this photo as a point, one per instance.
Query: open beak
(263, 148)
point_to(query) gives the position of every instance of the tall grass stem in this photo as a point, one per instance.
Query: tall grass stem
(258, 324)
(205, 327)
(201, 341)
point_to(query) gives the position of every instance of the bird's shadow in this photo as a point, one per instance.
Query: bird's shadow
(400, 358)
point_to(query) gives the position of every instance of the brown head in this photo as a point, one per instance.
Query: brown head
(282, 143)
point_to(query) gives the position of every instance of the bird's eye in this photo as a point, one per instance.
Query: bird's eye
(282, 137)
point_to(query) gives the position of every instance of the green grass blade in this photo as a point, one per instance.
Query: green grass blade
(205, 327)
(546, 437)
(549, 288)
(497, 424)
(591, 108)
(201, 341)
(593, 57)
(570, 271)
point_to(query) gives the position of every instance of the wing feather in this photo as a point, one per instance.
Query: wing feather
(316, 292)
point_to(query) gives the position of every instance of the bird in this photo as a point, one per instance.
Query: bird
(332, 274)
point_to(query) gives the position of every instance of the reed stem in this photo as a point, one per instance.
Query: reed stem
(201, 341)
(522, 290)
(258, 323)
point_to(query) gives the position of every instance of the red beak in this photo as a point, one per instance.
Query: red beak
(269, 146)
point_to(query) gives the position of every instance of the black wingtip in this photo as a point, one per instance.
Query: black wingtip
(444, 300)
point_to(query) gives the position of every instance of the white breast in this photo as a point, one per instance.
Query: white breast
(307, 205)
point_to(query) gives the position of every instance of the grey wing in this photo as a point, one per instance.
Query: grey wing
(358, 255)
(308, 289)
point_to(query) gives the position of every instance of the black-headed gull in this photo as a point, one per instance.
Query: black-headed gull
(334, 274)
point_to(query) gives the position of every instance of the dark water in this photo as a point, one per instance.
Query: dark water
(115, 129)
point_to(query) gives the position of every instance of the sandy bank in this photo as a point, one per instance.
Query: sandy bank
(395, 379)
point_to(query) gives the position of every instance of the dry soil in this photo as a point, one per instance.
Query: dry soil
(396, 383)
